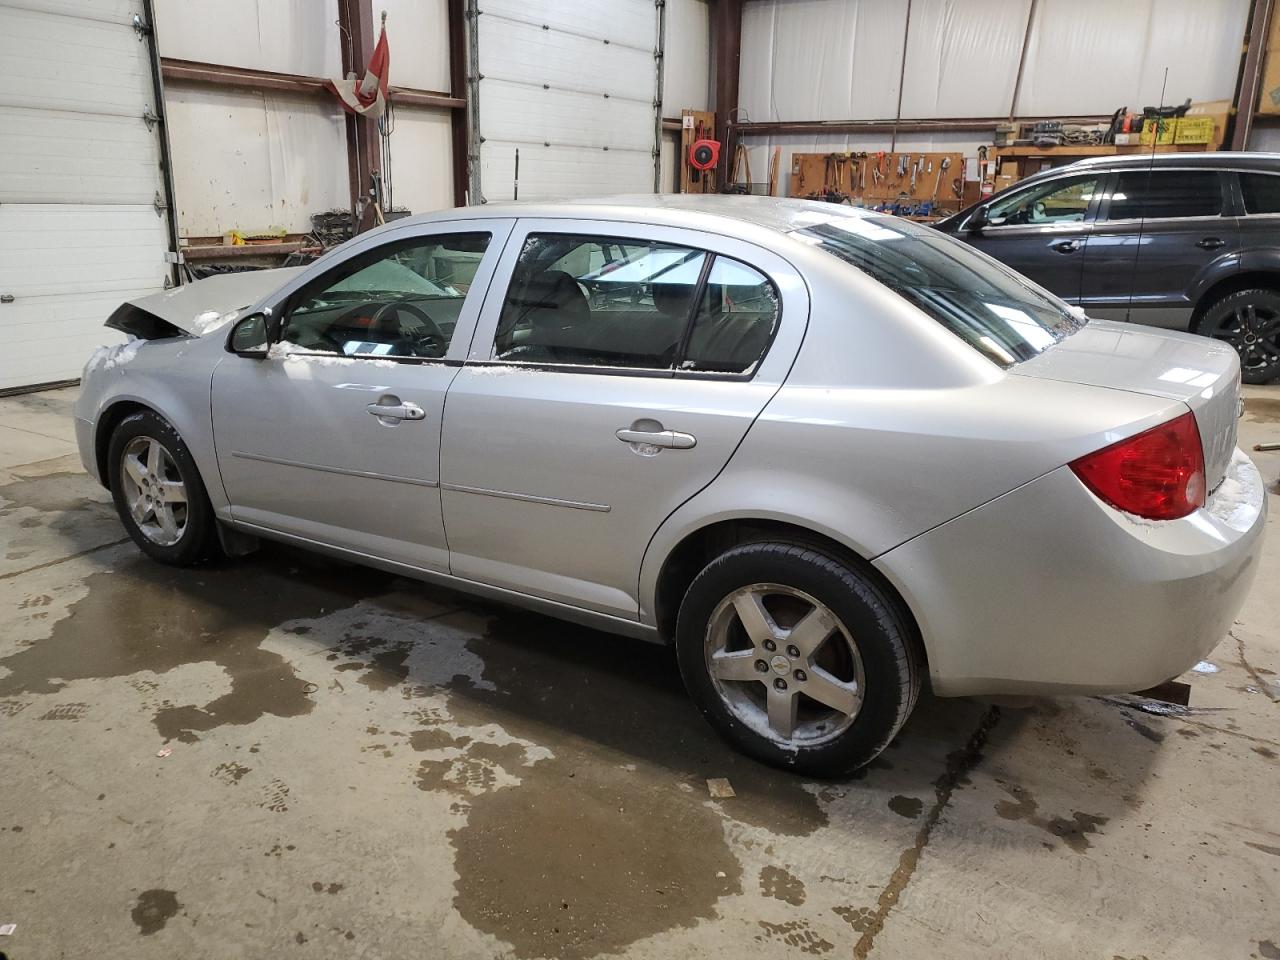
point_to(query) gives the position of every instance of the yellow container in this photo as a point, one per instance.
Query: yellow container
(1194, 130)
(1166, 134)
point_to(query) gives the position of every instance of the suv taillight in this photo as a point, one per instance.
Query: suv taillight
(1157, 474)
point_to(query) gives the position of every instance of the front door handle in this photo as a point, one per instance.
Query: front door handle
(396, 411)
(1065, 246)
(668, 439)
(1211, 243)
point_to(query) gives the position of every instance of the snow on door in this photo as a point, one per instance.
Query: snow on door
(79, 177)
(571, 84)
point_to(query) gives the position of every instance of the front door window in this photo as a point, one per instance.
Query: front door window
(1055, 202)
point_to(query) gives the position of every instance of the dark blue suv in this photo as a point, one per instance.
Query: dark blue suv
(1189, 241)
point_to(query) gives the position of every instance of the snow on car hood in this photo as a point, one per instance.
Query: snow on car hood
(203, 306)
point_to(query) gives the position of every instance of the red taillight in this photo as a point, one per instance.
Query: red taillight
(1157, 474)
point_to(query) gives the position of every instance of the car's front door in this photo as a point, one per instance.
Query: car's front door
(334, 436)
(614, 371)
(1157, 232)
(1042, 231)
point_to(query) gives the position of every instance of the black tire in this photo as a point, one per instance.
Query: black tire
(882, 637)
(198, 540)
(1249, 321)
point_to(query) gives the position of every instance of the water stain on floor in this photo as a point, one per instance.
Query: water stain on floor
(147, 617)
(1074, 831)
(154, 909)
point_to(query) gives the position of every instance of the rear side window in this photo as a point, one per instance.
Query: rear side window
(985, 304)
(1166, 194)
(611, 302)
(1261, 192)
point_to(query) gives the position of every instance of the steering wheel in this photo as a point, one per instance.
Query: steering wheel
(430, 342)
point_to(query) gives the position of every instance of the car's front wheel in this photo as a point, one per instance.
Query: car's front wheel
(158, 492)
(1249, 320)
(796, 658)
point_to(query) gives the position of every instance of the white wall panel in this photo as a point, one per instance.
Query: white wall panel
(53, 62)
(686, 77)
(421, 160)
(962, 57)
(250, 161)
(285, 36)
(1092, 56)
(418, 34)
(64, 157)
(572, 86)
(670, 150)
(821, 59)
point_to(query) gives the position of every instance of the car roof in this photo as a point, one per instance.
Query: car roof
(1223, 159)
(716, 213)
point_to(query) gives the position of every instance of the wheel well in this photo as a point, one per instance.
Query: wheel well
(702, 546)
(108, 420)
(1232, 284)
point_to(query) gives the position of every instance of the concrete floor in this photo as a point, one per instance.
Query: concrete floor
(285, 756)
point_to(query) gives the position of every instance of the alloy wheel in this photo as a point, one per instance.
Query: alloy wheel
(784, 664)
(1254, 331)
(154, 491)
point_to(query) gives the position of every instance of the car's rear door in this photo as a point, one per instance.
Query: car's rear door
(1157, 233)
(334, 436)
(1041, 230)
(614, 370)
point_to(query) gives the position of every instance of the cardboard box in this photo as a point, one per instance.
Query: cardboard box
(1126, 139)
(1008, 168)
(1269, 90)
(1219, 111)
(1003, 183)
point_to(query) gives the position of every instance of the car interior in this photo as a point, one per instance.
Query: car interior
(632, 305)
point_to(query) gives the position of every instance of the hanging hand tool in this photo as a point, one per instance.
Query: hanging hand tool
(942, 168)
(915, 171)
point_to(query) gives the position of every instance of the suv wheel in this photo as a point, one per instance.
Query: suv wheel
(158, 492)
(795, 658)
(1249, 320)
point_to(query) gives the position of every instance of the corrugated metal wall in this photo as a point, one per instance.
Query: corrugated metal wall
(842, 60)
(257, 161)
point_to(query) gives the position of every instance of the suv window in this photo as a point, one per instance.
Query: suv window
(400, 300)
(612, 302)
(1061, 201)
(982, 302)
(1165, 193)
(1261, 192)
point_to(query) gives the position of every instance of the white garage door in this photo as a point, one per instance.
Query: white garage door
(571, 84)
(79, 176)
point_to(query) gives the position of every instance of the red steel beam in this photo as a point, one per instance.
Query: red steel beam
(458, 91)
(1251, 73)
(726, 42)
(216, 75)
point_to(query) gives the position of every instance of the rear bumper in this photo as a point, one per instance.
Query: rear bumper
(1049, 590)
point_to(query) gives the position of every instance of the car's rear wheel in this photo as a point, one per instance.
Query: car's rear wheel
(796, 658)
(1248, 320)
(158, 492)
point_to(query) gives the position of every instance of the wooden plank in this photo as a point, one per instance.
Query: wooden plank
(853, 174)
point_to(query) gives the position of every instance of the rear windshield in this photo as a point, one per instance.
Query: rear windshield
(986, 305)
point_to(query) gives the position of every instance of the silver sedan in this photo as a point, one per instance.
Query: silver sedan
(831, 456)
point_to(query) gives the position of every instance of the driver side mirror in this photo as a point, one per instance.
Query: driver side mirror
(978, 220)
(253, 335)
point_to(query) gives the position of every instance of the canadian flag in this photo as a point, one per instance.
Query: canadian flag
(367, 97)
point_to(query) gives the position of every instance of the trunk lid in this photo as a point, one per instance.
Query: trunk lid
(1202, 373)
(197, 308)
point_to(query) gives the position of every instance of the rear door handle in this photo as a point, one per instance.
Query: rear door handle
(668, 439)
(1211, 243)
(397, 411)
(1065, 246)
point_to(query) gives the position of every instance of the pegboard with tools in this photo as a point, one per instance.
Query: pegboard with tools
(696, 125)
(927, 183)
